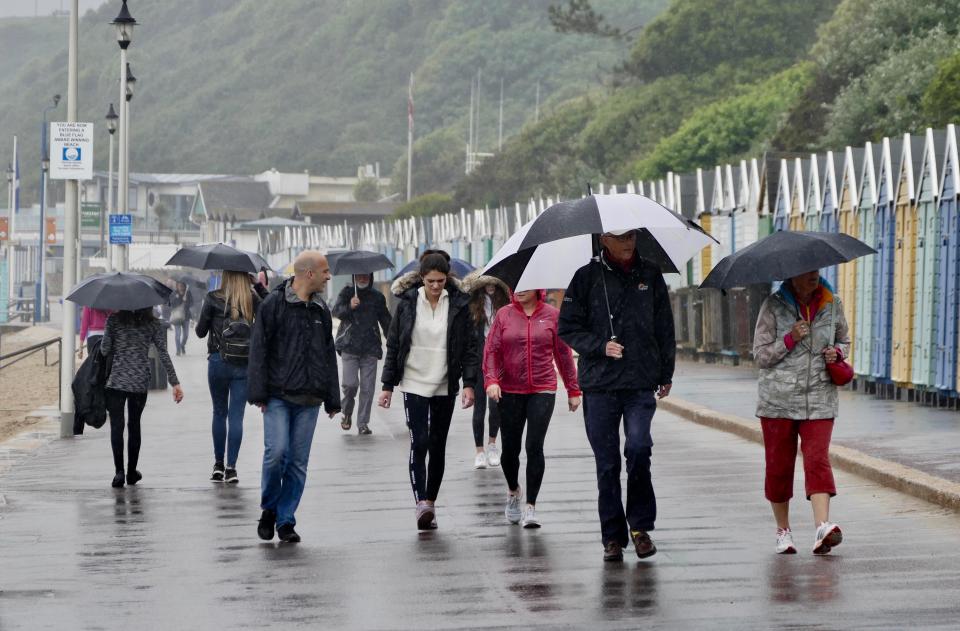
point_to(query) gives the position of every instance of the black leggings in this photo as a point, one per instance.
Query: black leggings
(479, 412)
(428, 420)
(135, 401)
(535, 411)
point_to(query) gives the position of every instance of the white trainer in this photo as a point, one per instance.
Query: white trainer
(530, 517)
(493, 455)
(828, 537)
(480, 462)
(785, 543)
(512, 510)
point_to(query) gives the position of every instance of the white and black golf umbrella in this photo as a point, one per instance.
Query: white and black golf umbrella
(547, 252)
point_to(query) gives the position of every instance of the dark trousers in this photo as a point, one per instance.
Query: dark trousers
(480, 407)
(534, 411)
(602, 412)
(135, 402)
(428, 420)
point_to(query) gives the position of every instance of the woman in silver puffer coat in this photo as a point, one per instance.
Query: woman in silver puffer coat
(801, 328)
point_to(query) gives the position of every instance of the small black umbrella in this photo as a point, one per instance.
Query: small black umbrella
(119, 291)
(358, 262)
(458, 267)
(218, 256)
(783, 255)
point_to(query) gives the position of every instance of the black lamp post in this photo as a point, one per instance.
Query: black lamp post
(124, 24)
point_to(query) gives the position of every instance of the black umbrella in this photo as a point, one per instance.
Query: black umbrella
(458, 267)
(783, 255)
(119, 291)
(357, 262)
(218, 256)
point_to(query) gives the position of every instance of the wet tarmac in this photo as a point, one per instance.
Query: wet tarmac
(179, 552)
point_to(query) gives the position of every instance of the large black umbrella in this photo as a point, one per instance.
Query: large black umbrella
(783, 255)
(119, 291)
(357, 262)
(218, 256)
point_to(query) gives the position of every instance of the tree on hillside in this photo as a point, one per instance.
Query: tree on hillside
(580, 17)
(941, 101)
(426, 206)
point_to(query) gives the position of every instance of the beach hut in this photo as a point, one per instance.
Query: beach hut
(781, 209)
(946, 361)
(685, 197)
(705, 205)
(848, 198)
(866, 224)
(721, 208)
(814, 201)
(904, 258)
(828, 208)
(883, 269)
(747, 224)
(798, 193)
(927, 262)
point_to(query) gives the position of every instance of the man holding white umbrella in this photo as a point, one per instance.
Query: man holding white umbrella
(616, 314)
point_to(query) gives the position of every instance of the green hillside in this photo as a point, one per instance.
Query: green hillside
(244, 85)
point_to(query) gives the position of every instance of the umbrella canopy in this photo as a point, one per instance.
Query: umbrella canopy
(459, 267)
(783, 255)
(119, 291)
(664, 238)
(357, 262)
(218, 256)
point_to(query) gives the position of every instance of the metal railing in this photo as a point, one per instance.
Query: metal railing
(23, 353)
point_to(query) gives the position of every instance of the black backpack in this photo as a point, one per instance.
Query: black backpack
(234, 339)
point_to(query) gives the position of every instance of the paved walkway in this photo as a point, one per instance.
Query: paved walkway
(925, 438)
(177, 552)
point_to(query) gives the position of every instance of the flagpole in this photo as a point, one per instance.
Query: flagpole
(410, 138)
(500, 133)
(11, 250)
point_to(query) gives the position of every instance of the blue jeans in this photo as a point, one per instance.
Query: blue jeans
(228, 390)
(602, 412)
(181, 332)
(287, 435)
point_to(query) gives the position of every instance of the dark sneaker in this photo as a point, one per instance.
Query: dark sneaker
(268, 519)
(217, 475)
(133, 477)
(643, 544)
(613, 551)
(230, 476)
(287, 534)
(425, 516)
(346, 423)
(117, 480)
(364, 430)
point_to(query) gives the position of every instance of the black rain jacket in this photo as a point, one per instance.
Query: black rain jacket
(359, 330)
(89, 390)
(212, 315)
(463, 356)
(291, 351)
(642, 321)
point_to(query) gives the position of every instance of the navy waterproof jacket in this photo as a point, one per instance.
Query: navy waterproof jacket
(291, 351)
(642, 322)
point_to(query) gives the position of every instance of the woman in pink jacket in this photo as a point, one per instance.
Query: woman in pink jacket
(519, 373)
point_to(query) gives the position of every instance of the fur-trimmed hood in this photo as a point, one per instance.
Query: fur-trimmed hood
(412, 279)
(475, 281)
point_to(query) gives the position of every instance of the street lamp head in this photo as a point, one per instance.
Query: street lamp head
(9, 173)
(129, 92)
(45, 162)
(56, 100)
(111, 120)
(130, 78)
(124, 24)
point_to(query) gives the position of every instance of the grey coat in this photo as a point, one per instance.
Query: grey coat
(795, 384)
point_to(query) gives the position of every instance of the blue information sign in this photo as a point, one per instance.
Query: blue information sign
(121, 229)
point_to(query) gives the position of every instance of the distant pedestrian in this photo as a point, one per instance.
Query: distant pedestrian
(363, 313)
(226, 320)
(519, 373)
(801, 328)
(291, 372)
(181, 306)
(127, 338)
(430, 346)
(92, 324)
(616, 315)
(487, 296)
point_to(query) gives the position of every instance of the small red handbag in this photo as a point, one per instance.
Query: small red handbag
(841, 372)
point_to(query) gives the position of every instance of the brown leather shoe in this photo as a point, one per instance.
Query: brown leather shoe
(613, 551)
(643, 544)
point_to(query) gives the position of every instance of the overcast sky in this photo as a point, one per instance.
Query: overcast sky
(29, 8)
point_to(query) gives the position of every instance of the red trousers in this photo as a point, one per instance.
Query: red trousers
(780, 437)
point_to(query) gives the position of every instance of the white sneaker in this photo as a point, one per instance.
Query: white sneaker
(828, 537)
(480, 462)
(530, 517)
(493, 455)
(512, 509)
(785, 542)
